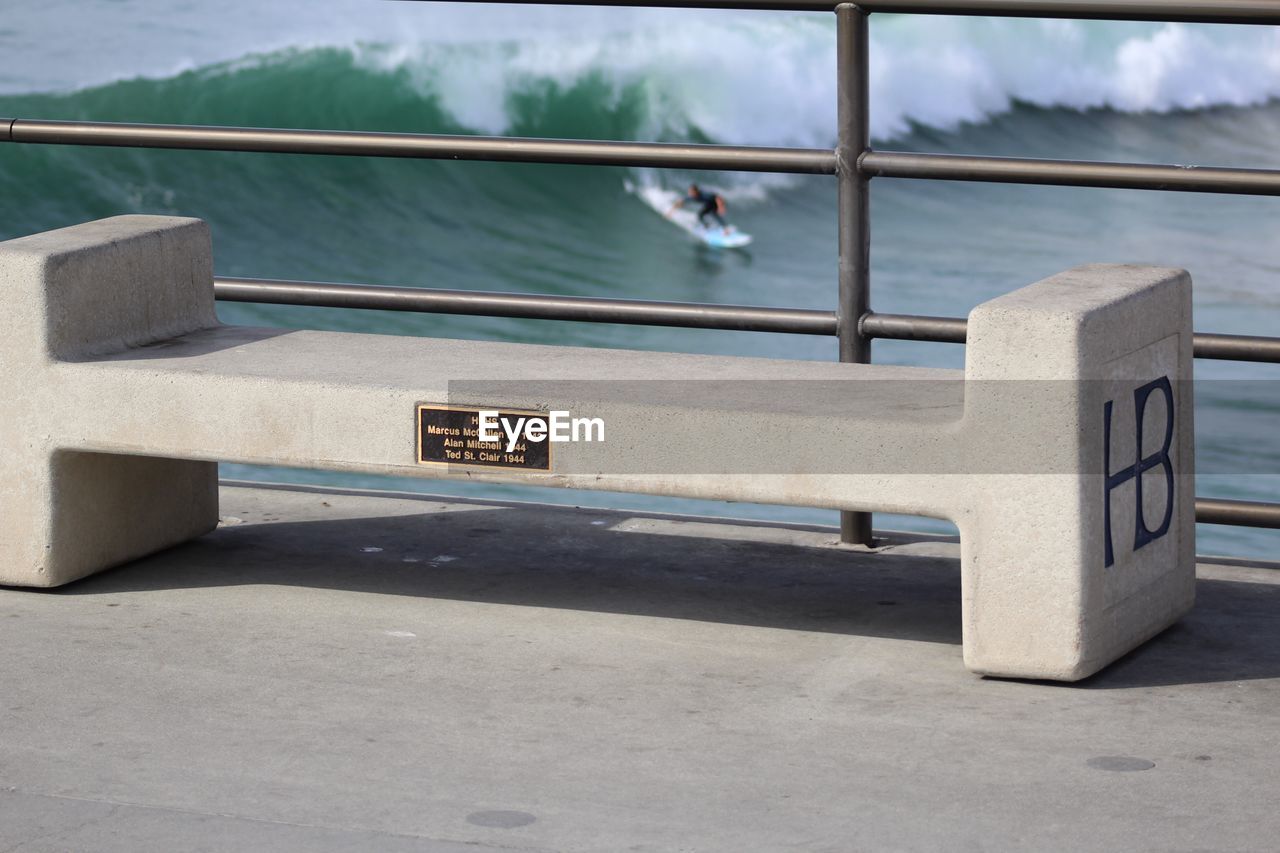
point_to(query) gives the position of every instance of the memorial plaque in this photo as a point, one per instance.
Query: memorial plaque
(450, 435)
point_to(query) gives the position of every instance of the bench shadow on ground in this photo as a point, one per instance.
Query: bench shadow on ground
(651, 565)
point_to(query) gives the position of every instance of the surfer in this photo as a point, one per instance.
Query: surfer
(712, 205)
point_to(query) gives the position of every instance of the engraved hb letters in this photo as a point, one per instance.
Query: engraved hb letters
(1141, 533)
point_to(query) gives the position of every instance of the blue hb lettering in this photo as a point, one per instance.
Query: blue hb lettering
(1141, 464)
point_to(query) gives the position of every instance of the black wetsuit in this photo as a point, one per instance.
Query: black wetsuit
(710, 207)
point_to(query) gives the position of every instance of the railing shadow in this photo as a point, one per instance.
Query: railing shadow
(198, 343)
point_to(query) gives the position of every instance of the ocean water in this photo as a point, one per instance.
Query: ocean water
(1088, 90)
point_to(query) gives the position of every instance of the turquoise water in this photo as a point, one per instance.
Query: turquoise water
(1096, 91)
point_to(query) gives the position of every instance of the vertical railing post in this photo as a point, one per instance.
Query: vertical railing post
(852, 113)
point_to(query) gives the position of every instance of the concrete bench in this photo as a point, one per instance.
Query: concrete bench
(1063, 451)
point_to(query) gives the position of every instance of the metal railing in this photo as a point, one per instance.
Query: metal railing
(646, 312)
(852, 162)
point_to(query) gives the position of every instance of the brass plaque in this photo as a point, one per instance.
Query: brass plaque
(450, 435)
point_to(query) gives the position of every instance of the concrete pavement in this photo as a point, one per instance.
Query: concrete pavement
(347, 671)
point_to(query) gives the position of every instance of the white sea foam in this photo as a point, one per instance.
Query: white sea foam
(770, 80)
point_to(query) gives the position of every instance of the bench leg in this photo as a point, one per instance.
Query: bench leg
(1079, 541)
(1040, 600)
(71, 514)
(71, 294)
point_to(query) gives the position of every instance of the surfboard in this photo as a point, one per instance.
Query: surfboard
(660, 201)
(715, 236)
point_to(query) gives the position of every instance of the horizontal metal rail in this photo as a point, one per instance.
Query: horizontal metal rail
(887, 164)
(1179, 11)
(914, 327)
(643, 312)
(1070, 173)
(1237, 513)
(1237, 347)
(742, 318)
(422, 146)
(952, 330)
